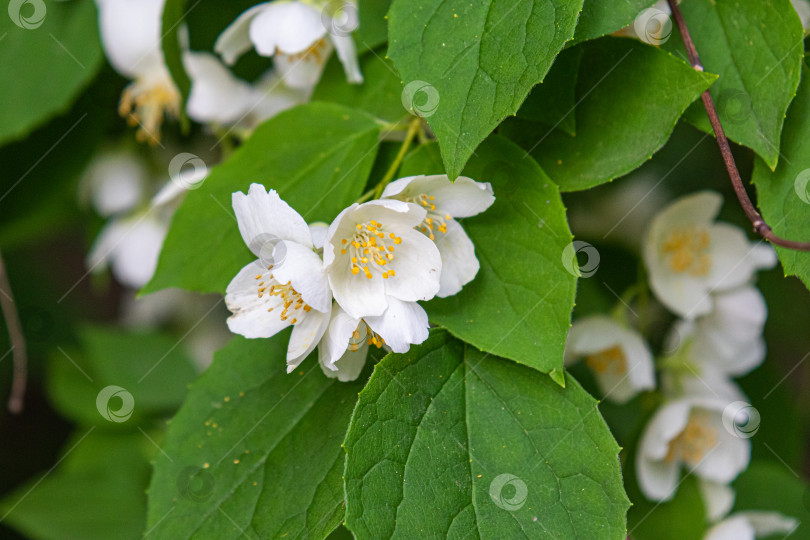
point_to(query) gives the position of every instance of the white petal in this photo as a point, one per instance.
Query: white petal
(459, 263)
(318, 232)
(216, 95)
(357, 295)
(463, 198)
(417, 265)
(306, 335)
(346, 368)
(731, 253)
(131, 248)
(337, 337)
(235, 39)
(264, 219)
(665, 425)
(289, 27)
(251, 317)
(347, 54)
(658, 480)
(728, 458)
(303, 269)
(130, 34)
(717, 498)
(733, 528)
(402, 324)
(769, 523)
(302, 72)
(115, 182)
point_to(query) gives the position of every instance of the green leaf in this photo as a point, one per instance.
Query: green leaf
(629, 98)
(148, 365)
(600, 17)
(174, 12)
(772, 486)
(757, 49)
(96, 492)
(51, 52)
(784, 194)
(552, 102)
(519, 305)
(317, 157)
(380, 94)
(373, 28)
(254, 450)
(446, 441)
(468, 65)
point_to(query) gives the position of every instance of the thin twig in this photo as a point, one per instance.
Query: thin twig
(760, 227)
(413, 129)
(15, 401)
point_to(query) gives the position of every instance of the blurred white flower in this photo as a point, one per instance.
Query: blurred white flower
(372, 252)
(342, 352)
(287, 285)
(689, 256)
(217, 96)
(618, 356)
(130, 35)
(690, 433)
(718, 499)
(297, 34)
(752, 524)
(114, 182)
(443, 201)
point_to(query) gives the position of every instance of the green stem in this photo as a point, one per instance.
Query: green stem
(413, 129)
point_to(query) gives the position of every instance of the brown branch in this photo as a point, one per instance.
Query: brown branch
(760, 227)
(15, 401)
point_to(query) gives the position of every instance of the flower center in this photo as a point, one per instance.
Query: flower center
(685, 249)
(696, 439)
(434, 220)
(144, 103)
(610, 360)
(317, 51)
(370, 249)
(363, 334)
(291, 302)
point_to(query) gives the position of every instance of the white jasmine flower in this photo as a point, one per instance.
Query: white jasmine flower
(729, 338)
(266, 297)
(689, 256)
(296, 34)
(688, 432)
(130, 35)
(219, 97)
(684, 376)
(114, 182)
(444, 200)
(718, 499)
(342, 352)
(372, 252)
(618, 356)
(752, 524)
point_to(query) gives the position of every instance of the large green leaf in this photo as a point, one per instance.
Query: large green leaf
(317, 157)
(553, 101)
(600, 17)
(253, 449)
(96, 491)
(519, 305)
(448, 442)
(373, 28)
(784, 194)
(49, 52)
(467, 65)
(756, 48)
(629, 98)
(149, 366)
